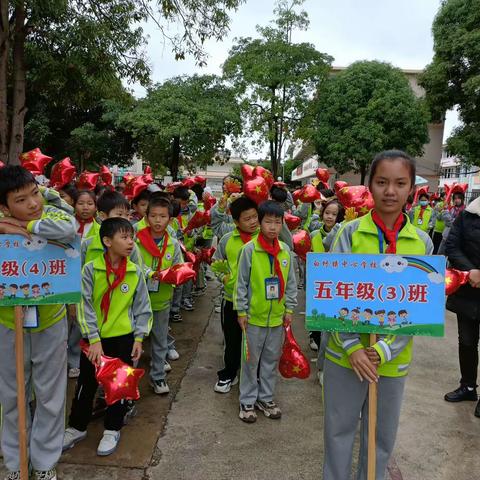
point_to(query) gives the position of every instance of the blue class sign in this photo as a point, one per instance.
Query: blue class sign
(385, 294)
(36, 271)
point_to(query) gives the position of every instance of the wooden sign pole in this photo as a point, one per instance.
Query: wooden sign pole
(372, 423)
(21, 401)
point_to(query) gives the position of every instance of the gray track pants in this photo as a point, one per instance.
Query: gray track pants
(45, 376)
(159, 343)
(344, 398)
(265, 347)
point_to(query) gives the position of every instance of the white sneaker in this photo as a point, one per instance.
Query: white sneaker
(224, 386)
(313, 345)
(73, 373)
(109, 442)
(71, 437)
(173, 355)
(160, 387)
(168, 367)
(45, 474)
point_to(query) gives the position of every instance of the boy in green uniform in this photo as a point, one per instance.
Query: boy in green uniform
(114, 317)
(23, 205)
(158, 251)
(265, 296)
(245, 216)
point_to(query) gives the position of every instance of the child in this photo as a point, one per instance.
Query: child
(114, 317)
(111, 204)
(349, 358)
(85, 205)
(245, 216)
(45, 354)
(264, 262)
(68, 194)
(159, 251)
(140, 205)
(423, 216)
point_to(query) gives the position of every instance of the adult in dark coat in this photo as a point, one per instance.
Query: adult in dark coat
(463, 252)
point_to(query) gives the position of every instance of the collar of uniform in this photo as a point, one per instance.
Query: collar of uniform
(258, 248)
(367, 225)
(236, 233)
(99, 264)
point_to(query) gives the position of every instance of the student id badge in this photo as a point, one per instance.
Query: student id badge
(419, 221)
(153, 285)
(30, 317)
(272, 288)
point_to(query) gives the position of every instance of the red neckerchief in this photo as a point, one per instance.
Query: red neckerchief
(422, 211)
(82, 223)
(390, 235)
(273, 250)
(119, 274)
(455, 211)
(180, 221)
(246, 237)
(146, 239)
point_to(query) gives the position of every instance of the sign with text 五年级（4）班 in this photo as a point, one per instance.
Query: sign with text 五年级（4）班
(36, 271)
(386, 294)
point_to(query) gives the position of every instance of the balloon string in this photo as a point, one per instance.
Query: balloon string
(245, 351)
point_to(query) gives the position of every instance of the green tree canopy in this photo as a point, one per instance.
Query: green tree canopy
(275, 78)
(453, 77)
(367, 108)
(185, 119)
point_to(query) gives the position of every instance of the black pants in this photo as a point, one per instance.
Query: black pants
(82, 404)
(437, 240)
(468, 334)
(233, 342)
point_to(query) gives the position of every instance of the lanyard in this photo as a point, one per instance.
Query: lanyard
(270, 257)
(380, 239)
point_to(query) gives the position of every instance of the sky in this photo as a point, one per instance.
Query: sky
(395, 31)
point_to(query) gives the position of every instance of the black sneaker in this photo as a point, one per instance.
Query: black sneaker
(176, 317)
(477, 410)
(462, 393)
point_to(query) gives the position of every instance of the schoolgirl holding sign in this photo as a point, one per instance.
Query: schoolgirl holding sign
(351, 364)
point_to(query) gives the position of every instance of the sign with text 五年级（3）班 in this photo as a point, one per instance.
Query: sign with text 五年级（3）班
(385, 294)
(35, 271)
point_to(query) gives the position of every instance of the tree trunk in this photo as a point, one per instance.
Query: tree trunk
(363, 173)
(19, 108)
(175, 157)
(4, 45)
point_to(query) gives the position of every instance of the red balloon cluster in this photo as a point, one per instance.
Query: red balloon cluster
(293, 362)
(178, 274)
(302, 244)
(63, 173)
(292, 221)
(106, 175)
(137, 185)
(454, 279)
(35, 161)
(257, 182)
(87, 180)
(308, 194)
(199, 219)
(357, 197)
(323, 175)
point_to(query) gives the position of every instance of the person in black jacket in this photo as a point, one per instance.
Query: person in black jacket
(463, 252)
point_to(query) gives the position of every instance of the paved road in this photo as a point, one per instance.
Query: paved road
(199, 435)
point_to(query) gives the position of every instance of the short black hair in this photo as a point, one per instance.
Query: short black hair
(12, 179)
(379, 311)
(79, 193)
(13, 285)
(160, 202)
(111, 226)
(459, 195)
(393, 155)
(181, 193)
(241, 204)
(110, 200)
(176, 208)
(278, 194)
(423, 194)
(70, 189)
(391, 312)
(198, 190)
(143, 195)
(270, 208)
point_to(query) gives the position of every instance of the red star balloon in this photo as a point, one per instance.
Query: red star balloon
(265, 174)
(87, 180)
(106, 175)
(147, 178)
(232, 185)
(200, 180)
(172, 186)
(128, 177)
(339, 185)
(178, 274)
(247, 171)
(322, 174)
(292, 221)
(357, 197)
(188, 182)
(280, 184)
(135, 187)
(293, 363)
(35, 161)
(208, 201)
(63, 173)
(302, 244)
(199, 219)
(296, 196)
(256, 189)
(308, 194)
(454, 279)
